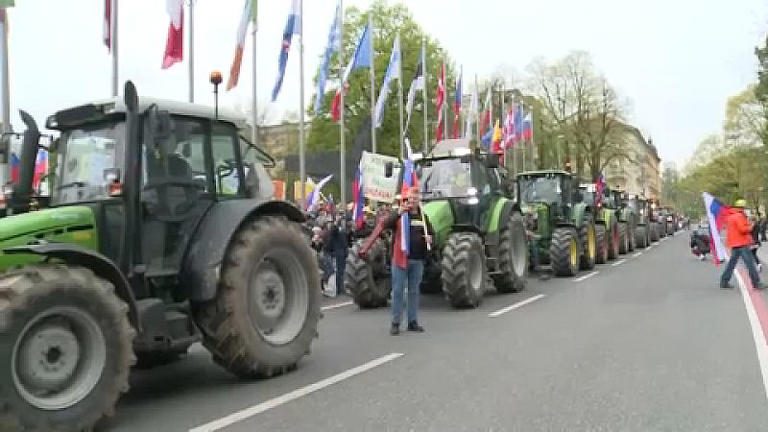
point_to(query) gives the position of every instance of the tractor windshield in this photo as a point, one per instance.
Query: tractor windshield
(85, 154)
(540, 189)
(445, 178)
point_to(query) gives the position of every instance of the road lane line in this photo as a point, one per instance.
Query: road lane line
(586, 276)
(288, 397)
(754, 313)
(619, 262)
(516, 305)
(337, 305)
(637, 254)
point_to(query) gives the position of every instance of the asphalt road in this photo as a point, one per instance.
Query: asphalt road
(650, 344)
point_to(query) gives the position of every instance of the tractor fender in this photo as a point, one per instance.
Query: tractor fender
(100, 265)
(208, 244)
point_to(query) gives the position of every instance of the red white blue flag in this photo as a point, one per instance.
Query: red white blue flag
(359, 199)
(716, 214)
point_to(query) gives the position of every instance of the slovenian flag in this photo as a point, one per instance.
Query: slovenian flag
(528, 126)
(314, 196)
(716, 214)
(359, 199)
(292, 27)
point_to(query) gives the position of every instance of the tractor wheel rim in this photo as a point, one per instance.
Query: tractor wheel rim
(591, 242)
(574, 253)
(476, 272)
(58, 358)
(278, 296)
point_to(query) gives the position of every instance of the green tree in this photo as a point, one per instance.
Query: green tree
(761, 90)
(387, 21)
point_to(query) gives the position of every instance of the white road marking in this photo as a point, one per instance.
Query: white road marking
(637, 254)
(337, 305)
(757, 331)
(619, 262)
(586, 276)
(288, 397)
(516, 305)
(664, 239)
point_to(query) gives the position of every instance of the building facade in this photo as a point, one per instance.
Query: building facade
(640, 172)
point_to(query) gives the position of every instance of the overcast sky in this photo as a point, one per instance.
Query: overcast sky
(677, 60)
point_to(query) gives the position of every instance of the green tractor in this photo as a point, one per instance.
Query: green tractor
(563, 222)
(479, 234)
(161, 232)
(627, 217)
(606, 221)
(643, 228)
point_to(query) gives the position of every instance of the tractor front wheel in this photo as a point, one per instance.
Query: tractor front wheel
(368, 288)
(464, 270)
(641, 236)
(513, 256)
(614, 240)
(623, 238)
(266, 310)
(602, 244)
(588, 240)
(564, 251)
(65, 348)
(653, 233)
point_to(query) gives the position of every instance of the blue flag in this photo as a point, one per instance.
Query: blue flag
(292, 26)
(334, 44)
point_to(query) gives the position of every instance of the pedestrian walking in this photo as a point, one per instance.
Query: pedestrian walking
(338, 246)
(763, 228)
(756, 241)
(408, 260)
(739, 239)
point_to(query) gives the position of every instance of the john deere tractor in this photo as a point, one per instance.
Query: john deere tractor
(161, 232)
(627, 221)
(641, 208)
(606, 221)
(563, 222)
(479, 234)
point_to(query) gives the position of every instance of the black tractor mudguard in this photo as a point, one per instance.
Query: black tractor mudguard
(202, 262)
(100, 265)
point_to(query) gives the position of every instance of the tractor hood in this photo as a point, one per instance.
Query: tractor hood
(440, 217)
(54, 224)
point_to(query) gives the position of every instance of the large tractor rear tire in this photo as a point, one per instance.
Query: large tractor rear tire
(614, 240)
(641, 236)
(265, 314)
(588, 241)
(513, 256)
(602, 244)
(564, 251)
(361, 278)
(623, 238)
(464, 270)
(65, 349)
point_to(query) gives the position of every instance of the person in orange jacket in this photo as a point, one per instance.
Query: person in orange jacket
(739, 239)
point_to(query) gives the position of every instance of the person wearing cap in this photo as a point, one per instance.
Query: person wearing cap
(739, 240)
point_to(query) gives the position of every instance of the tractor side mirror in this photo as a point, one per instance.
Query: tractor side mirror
(389, 169)
(491, 162)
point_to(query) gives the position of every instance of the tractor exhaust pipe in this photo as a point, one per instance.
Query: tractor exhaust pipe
(22, 192)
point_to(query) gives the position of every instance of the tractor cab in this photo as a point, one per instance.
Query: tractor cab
(551, 189)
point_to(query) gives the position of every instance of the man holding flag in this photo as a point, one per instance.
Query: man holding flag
(739, 239)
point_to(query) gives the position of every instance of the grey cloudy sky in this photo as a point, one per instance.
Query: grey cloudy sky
(677, 60)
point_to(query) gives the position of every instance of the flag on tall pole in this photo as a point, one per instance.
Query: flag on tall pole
(425, 105)
(292, 27)
(299, 29)
(360, 59)
(393, 73)
(416, 84)
(248, 16)
(519, 116)
(334, 45)
(471, 114)
(6, 104)
(528, 126)
(457, 105)
(509, 129)
(485, 119)
(439, 102)
(174, 43)
(107, 32)
(373, 83)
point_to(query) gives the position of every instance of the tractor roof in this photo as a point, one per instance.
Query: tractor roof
(117, 105)
(449, 147)
(542, 173)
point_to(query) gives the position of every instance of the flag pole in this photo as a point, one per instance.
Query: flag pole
(6, 79)
(254, 89)
(191, 51)
(445, 103)
(342, 146)
(400, 94)
(477, 113)
(426, 99)
(302, 161)
(533, 148)
(522, 130)
(373, 83)
(113, 42)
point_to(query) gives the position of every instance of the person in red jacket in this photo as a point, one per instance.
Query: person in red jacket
(739, 240)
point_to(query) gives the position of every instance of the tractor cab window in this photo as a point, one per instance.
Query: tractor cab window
(85, 156)
(224, 145)
(540, 189)
(483, 180)
(445, 178)
(258, 182)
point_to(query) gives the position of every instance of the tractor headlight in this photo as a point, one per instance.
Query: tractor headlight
(473, 200)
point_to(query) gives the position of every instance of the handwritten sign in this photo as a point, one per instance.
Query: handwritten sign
(376, 185)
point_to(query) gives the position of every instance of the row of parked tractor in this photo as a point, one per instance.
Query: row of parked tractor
(490, 228)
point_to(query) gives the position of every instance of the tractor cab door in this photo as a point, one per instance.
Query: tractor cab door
(183, 176)
(487, 185)
(566, 194)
